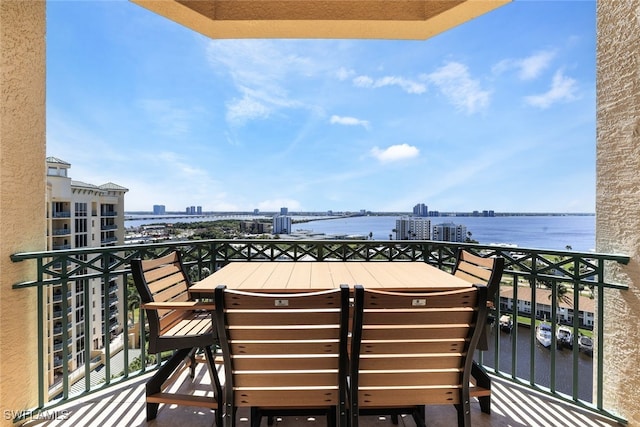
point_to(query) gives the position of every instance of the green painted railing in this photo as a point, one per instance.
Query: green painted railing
(567, 275)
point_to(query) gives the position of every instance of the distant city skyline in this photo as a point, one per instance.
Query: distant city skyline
(498, 113)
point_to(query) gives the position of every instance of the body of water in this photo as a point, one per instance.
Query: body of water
(541, 232)
(544, 232)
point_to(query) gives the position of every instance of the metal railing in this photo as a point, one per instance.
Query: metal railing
(562, 273)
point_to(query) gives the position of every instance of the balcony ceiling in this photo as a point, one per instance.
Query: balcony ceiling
(344, 19)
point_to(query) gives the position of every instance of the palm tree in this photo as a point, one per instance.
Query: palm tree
(563, 293)
(133, 301)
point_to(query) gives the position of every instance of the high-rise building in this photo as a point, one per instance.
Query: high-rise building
(420, 210)
(413, 228)
(159, 209)
(284, 211)
(81, 215)
(281, 224)
(449, 232)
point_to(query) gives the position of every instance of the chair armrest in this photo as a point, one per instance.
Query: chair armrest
(179, 305)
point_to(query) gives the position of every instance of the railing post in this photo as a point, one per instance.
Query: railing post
(42, 380)
(534, 315)
(599, 338)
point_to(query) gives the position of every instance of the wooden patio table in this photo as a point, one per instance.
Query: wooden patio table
(296, 276)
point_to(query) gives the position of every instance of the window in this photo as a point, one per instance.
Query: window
(81, 209)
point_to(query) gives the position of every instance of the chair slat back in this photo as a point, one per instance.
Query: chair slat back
(285, 350)
(161, 280)
(414, 348)
(479, 270)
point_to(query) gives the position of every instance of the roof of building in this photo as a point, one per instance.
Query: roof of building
(543, 297)
(112, 186)
(58, 161)
(80, 184)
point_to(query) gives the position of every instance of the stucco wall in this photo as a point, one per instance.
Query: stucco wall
(618, 195)
(22, 189)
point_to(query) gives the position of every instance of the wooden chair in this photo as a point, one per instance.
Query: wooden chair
(480, 271)
(284, 354)
(414, 349)
(483, 271)
(176, 323)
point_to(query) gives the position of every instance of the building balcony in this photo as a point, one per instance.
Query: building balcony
(61, 232)
(529, 379)
(512, 405)
(61, 214)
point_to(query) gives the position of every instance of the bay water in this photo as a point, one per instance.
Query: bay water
(536, 232)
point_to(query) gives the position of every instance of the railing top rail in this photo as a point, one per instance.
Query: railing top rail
(620, 258)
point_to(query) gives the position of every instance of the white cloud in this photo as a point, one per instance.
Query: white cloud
(363, 81)
(532, 66)
(349, 121)
(260, 70)
(395, 153)
(239, 111)
(563, 89)
(406, 85)
(456, 84)
(344, 74)
(528, 68)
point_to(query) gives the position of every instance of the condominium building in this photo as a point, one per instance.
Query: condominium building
(449, 232)
(281, 224)
(420, 210)
(80, 215)
(159, 210)
(413, 228)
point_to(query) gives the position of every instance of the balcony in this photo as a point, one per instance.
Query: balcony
(61, 232)
(527, 382)
(512, 405)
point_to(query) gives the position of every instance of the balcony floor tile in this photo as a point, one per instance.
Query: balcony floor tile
(124, 405)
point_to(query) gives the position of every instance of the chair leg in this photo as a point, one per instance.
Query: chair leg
(229, 419)
(215, 381)
(154, 385)
(256, 417)
(332, 415)
(192, 364)
(419, 415)
(464, 414)
(482, 380)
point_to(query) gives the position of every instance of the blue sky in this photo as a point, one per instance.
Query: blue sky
(498, 113)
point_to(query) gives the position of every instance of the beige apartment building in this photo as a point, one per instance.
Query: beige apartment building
(80, 215)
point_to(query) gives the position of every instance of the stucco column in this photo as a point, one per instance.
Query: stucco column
(618, 195)
(22, 189)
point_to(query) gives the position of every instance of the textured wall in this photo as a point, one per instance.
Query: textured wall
(22, 189)
(618, 194)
